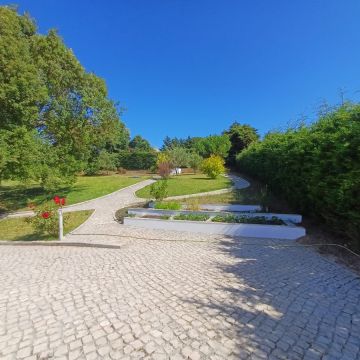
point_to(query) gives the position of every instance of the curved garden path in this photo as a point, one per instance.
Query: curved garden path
(102, 223)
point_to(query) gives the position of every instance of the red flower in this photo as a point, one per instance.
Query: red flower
(46, 215)
(62, 201)
(57, 200)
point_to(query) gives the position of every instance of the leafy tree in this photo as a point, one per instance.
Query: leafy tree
(170, 143)
(213, 166)
(195, 161)
(241, 136)
(43, 87)
(213, 145)
(179, 157)
(139, 143)
(136, 160)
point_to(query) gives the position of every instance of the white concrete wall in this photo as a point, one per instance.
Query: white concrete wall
(245, 230)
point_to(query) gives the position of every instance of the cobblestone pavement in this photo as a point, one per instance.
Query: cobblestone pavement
(224, 299)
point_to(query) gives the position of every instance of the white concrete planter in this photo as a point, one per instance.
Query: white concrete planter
(239, 208)
(294, 218)
(244, 230)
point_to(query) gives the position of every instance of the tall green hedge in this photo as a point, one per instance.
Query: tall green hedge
(316, 168)
(136, 160)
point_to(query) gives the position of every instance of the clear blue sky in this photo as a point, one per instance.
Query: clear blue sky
(191, 67)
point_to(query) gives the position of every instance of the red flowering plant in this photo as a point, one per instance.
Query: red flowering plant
(46, 219)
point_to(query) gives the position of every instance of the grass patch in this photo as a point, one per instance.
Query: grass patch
(14, 196)
(252, 195)
(189, 184)
(191, 217)
(16, 229)
(171, 205)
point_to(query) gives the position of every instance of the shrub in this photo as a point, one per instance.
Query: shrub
(191, 217)
(46, 219)
(158, 190)
(168, 205)
(213, 166)
(247, 219)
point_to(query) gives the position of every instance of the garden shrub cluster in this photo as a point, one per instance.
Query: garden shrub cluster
(316, 168)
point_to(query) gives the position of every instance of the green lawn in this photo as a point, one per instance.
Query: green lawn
(16, 229)
(189, 184)
(14, 196)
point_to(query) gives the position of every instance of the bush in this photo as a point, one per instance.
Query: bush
(136, 160)
(213, 166)
(191, 217)
(262, 220)
(316, 168)
(46, 219)
(168, 205)
(158, 190)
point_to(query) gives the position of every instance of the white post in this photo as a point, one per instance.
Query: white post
(61, 231)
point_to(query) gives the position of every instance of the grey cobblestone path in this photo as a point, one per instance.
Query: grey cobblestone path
(225, 299)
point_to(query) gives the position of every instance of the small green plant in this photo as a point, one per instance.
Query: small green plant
(192, 217)
(172, 205)
(213, 166)
(247, 220)
(159, 190)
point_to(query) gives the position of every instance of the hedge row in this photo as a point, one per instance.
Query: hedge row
(316, 168)
(136, 160)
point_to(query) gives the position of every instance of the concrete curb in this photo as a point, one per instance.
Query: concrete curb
(58, 243)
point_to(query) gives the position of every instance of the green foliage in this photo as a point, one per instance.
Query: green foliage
(213, 166)
(241, 136)
(213, 145)
(247, 220)
(159, 190)
(140, 144)
(173, 205)
(136, 160)
(178, 157)
(316, 168)
(191, 217)
(53, 113)
(171, 143)
(46, 219)
(195, 161)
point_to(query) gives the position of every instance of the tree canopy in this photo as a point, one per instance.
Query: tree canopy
(49, 105)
